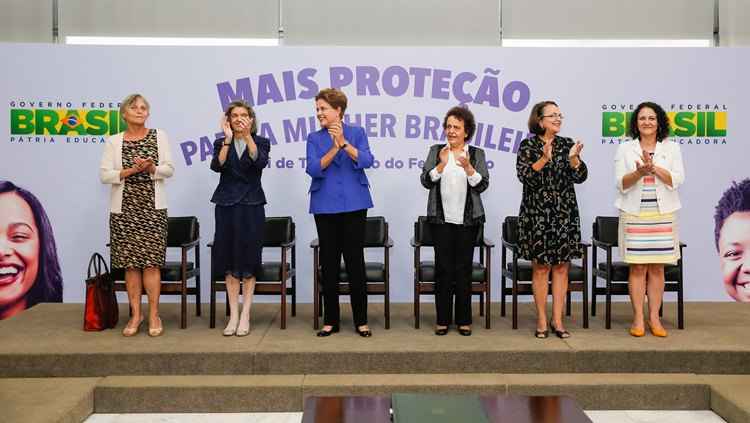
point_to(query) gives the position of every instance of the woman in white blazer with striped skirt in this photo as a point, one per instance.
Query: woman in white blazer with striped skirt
(648, 173)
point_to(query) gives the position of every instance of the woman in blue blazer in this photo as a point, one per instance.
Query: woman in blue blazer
(337, 156)
(240, 216)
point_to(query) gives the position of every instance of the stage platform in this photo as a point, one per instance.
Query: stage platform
(44, 353)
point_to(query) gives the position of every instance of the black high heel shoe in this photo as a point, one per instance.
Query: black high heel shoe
(324, 333)
(562, 334)
(441, 331)
(464, 332)
(364, 333)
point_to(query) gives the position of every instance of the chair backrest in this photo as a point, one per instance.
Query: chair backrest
(510, 229)
(376, 231)
(605, 229)
(277, 231)
(423, 233)
(181, 230)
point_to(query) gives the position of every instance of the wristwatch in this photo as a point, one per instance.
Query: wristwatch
(343, 146)
(227, 143)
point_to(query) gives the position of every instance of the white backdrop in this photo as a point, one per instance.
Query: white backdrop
(187, 88)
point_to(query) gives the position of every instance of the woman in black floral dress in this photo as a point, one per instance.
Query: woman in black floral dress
(549, 232)
(136, 163)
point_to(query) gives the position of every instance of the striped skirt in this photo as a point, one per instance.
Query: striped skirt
(649, 237)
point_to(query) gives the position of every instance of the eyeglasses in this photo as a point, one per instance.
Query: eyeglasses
(554, 116)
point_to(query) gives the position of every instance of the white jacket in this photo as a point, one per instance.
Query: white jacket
(667, 155)
(111, 165)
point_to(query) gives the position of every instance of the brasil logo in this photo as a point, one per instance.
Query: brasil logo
(706, 126)
(50, 122)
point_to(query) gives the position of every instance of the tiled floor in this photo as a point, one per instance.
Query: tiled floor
(702, 416)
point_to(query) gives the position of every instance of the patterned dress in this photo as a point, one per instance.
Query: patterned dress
(549, 226)
(649, 236)
(139, 233)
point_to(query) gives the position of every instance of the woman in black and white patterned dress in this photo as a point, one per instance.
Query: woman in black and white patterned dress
(136, 162)
(549, 226)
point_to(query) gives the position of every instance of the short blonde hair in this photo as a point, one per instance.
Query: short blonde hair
(129, 100)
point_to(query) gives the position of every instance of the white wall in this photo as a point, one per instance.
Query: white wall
(385, 22)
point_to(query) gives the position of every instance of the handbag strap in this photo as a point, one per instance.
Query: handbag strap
(97, 261)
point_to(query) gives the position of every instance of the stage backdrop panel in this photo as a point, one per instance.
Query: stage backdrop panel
(60, 102)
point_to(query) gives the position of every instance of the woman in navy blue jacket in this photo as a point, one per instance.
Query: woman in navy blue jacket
(238, 241)
(337, 156)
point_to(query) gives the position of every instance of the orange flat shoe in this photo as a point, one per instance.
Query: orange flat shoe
(661, 333)
(637, 332)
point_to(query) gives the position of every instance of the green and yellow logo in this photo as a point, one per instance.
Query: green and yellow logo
(65, 122)
(684, 124)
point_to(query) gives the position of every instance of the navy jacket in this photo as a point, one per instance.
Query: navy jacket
(343, 185)
(240, 176)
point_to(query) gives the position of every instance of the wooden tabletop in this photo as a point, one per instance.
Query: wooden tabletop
(499, 409)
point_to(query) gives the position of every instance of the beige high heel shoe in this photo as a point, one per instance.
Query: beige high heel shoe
(129, 331)
(153, 332)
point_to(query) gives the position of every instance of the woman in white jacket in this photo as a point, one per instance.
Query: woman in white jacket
(136, 163)
(648, 172)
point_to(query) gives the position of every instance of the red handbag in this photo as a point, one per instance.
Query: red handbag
(101, 310)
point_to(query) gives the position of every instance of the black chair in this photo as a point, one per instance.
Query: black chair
(424, 270)
(275, 276)
(615, 273)
(182, 233)
(520, 273)
(377, 274)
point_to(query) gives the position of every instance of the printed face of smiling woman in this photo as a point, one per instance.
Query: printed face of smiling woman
(19, 250)
(734, 253)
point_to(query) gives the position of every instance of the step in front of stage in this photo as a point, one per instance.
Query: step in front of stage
(193, 370)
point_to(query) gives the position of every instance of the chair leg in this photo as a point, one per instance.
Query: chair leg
(515, 304)
(294, 296)
(481, 304)
(198, 294)
(680, 309)
(487, 306)
(585, 309)
(183, 305)
(661, 309)
(387, 311)
(283, 304)
(567, 303)
(416, 305)
(502, 296)
(608, 313)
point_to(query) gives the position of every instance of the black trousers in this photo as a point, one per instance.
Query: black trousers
(454, 254)
(343, 233)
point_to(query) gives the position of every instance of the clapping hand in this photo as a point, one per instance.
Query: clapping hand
(462, 161)
(243, 125)
(547, 150)
(337, 134)
(646, 167)
(444, 155)
(227, 128)
(144, 165)
(575, 150)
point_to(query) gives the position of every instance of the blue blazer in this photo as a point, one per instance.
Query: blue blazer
(343, 185)
(240, 176)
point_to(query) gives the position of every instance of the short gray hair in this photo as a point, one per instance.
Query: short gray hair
(132, 98)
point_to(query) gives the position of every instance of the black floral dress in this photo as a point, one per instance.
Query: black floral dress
(139, 233)
(549, 226)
